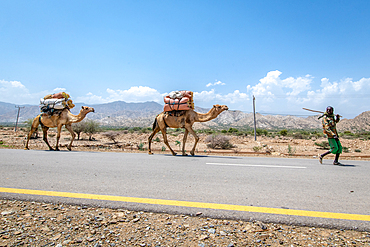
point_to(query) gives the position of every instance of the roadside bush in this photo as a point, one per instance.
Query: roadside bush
(112, 135)
(291, 151)
(257, 148)
(219, 142)
(298, 136)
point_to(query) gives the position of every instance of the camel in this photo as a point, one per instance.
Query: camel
(65, 118)
(185, 121)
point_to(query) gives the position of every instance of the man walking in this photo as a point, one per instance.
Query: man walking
(329, 122)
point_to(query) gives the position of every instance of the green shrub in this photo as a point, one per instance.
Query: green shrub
(358, 150)
(257, 148)
(291, 150)
(283, 132)
(140, 146)
(233, 130)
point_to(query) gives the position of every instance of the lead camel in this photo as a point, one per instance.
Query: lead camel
(185, 121)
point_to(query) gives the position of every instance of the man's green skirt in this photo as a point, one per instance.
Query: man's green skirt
(335, 146)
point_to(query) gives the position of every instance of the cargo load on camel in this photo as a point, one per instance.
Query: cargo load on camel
(178, 101)
(53, 103)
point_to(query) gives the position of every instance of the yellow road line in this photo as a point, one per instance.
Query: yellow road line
(294, 212)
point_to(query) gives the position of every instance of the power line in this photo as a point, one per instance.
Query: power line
(16, 123)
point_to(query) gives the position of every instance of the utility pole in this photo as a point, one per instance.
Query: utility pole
(16, 123)
(254, 117)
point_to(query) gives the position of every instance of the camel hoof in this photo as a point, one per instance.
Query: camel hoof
(184, 154)
(69, 149)
(57, 149)
(192, 153)
(174, 154)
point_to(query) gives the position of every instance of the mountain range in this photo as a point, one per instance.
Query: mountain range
(120, 113)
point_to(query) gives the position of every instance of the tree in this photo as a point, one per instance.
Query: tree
(79, 128)
(92, 127)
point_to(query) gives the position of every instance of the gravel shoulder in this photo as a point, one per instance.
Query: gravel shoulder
(26, 223)
(30, 223)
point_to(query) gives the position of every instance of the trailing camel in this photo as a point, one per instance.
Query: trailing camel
(185, 121)
(65, 118)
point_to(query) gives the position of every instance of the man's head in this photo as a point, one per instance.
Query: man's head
(329, 110)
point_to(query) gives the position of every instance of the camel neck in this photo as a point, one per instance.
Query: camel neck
(204, 117)
(77, 118)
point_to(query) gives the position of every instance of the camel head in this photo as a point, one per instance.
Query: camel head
(86, 109)
(220, 108)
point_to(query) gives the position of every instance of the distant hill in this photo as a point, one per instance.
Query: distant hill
(359, 123)
(120, 113)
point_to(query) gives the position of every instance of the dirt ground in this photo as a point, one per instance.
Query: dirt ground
(24, 223)
(126, 141)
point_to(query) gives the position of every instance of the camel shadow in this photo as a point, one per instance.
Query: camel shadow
(342, 165)
(203, 156)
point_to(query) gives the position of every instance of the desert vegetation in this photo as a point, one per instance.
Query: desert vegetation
(232, 140)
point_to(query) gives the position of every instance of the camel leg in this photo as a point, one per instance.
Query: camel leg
(184, 141)
(164, 134)
(35, 125)
(155, 131)
(73, 135)
(195, 137)
(45, 137)
(59, 129)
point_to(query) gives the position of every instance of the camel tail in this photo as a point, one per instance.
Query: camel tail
(155, 123)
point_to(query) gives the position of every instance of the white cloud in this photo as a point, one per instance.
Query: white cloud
(133, 94)
(272, 85)
(14, 92)
(214, 84)
(291, 94)
(273, 94)
(211, 96)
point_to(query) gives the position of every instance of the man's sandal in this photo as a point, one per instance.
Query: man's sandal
(320, 159)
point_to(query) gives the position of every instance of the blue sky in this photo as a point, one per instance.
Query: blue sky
(289, 54)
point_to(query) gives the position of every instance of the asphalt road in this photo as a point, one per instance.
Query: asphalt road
(281, 190)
